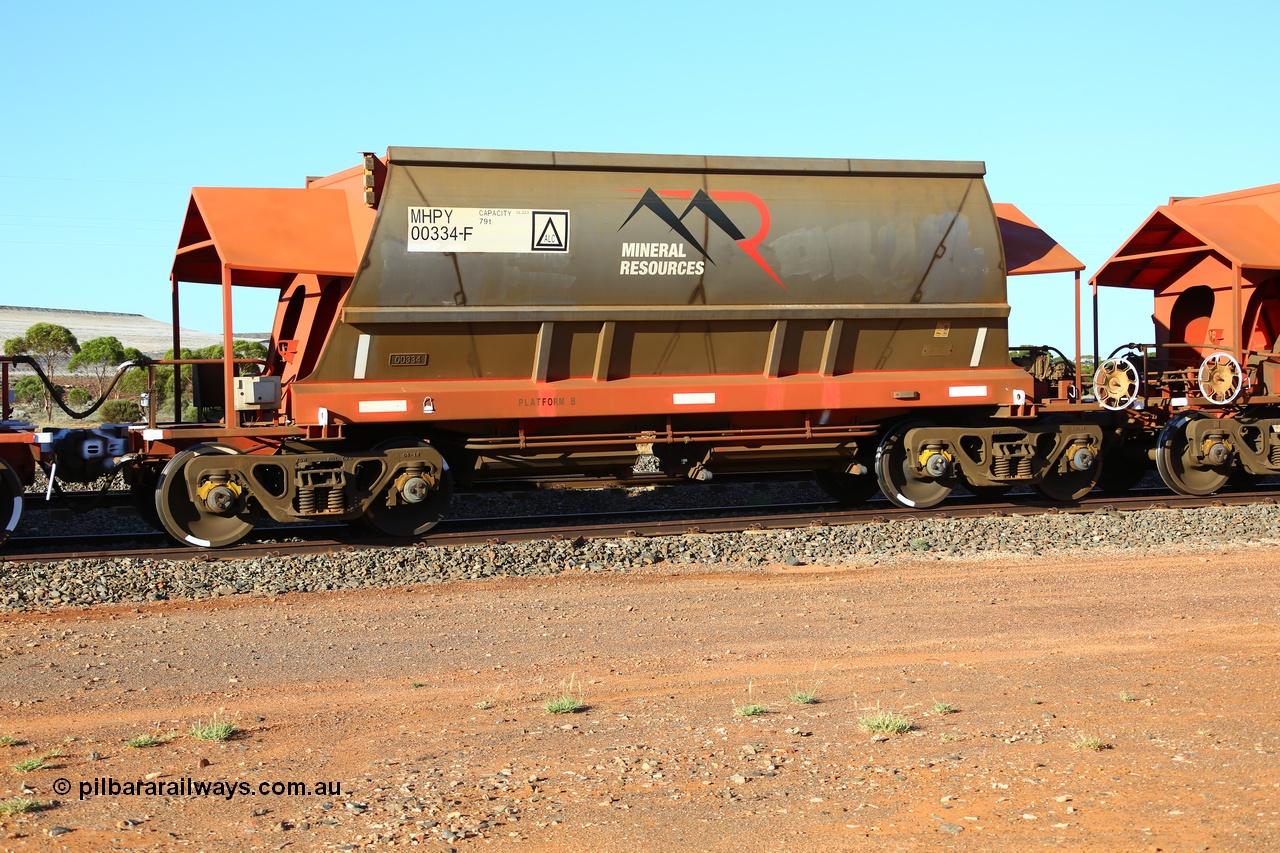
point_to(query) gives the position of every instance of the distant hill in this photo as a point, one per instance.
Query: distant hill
(133, 330)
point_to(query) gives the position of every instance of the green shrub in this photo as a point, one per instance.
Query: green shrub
(564, 704)
(1089, 742)
(19, 805)
(215, 729)
(120, 412)
(28, 390)
(885, 721)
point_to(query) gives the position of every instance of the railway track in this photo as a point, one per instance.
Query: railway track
(651, 522)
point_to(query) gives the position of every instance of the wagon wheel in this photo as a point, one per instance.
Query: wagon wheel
(1070, 485)
(411, 505)
(1074, 474)
(1178, 466)
(1220, 378)
(199, 521)
(846, 488)
(1115, 384)
(10, 499)
(899, 483)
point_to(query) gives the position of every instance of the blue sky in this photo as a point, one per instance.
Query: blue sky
(1088, 115)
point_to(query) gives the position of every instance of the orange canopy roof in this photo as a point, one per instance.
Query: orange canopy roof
(1028, 249)
(1243, 227)
(266, 235)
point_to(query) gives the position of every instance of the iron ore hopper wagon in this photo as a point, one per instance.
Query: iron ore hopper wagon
(447, 316)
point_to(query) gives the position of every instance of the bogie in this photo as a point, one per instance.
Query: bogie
(211, 496)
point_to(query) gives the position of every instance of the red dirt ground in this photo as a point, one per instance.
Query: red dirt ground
(426, 705)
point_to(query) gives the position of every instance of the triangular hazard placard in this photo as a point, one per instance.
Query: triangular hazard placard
(550, 237)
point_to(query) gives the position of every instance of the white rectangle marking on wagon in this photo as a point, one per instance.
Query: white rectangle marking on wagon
(374, 406)
(362, 356)
(1178, 401)
(483, 229)
(152, 434)
(967, 391)
(322, 416)
(977, 347)
(703, 399)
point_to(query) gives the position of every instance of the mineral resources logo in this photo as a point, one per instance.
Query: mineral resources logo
(670, 257)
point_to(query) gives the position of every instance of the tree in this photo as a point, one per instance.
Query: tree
(100, 357)
(135, 381)
(47, 343)
(239, 349)
(164, 376)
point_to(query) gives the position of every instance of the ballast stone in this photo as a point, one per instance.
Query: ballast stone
(1208, 529)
